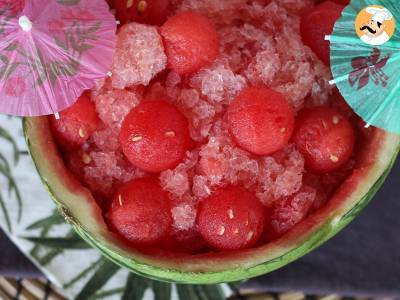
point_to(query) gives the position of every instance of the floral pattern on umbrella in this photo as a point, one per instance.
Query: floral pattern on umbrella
(372, 65)
(11, 7)
(68, 45)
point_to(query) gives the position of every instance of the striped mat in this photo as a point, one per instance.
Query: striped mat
(40, 289)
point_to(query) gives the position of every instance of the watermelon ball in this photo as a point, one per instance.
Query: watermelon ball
(261, 120)
(231, 219)
(191, 42)
(140, 212)
(76, 123)
(155, 136)
(325, 138)
(153, 12)
(342, 2)
(318, 22)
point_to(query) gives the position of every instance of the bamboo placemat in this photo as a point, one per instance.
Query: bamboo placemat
(26, 289)
(40, 289)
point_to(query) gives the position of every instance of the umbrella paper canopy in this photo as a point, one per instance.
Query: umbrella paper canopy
(51, 51)
(365, 65)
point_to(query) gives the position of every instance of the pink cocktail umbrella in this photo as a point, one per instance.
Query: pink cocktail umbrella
(51, 51)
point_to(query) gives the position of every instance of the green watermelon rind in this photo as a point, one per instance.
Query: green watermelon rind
(281, 256)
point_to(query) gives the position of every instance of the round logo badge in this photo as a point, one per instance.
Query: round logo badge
(375, 25)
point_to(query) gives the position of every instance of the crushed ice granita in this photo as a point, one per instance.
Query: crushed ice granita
(217, 129)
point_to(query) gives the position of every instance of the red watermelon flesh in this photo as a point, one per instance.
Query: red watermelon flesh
(223, 116)
(317, 23)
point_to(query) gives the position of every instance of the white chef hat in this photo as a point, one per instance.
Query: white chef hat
(379, 14)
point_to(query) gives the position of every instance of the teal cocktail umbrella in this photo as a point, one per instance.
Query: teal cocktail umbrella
(365, 60)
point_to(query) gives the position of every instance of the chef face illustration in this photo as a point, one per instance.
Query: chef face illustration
(375, 30)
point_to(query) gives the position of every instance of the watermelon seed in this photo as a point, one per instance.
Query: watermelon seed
(247, 222)
(236, 231)
(120, 200)
(283, 130)
(142, 5)
(129, 3)
(170, 134)
(137, 138)
(335, 120)
(221, 230)
(250, 235)
(324, 124)
(86, 159)
(82, 133)
(334, 158)
(230, 213)
(208, 191)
